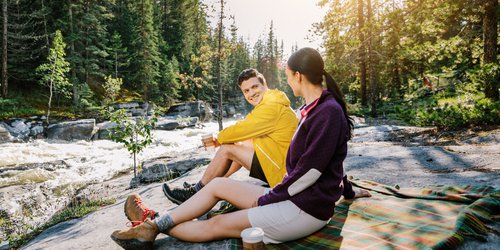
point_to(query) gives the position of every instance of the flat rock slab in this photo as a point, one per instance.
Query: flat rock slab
(93, 230)
(370, 159)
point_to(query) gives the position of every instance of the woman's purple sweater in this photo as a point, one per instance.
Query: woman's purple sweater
(314, 161)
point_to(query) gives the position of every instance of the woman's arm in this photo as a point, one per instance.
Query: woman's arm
(323, 132)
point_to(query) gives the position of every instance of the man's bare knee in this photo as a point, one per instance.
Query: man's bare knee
(227, 151)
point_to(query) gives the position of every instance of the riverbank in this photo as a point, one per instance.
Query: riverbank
(392, 155)
(40, 177)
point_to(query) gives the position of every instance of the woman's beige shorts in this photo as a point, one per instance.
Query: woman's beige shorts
(283, 221)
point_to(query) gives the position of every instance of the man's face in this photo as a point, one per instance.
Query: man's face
(253, 90)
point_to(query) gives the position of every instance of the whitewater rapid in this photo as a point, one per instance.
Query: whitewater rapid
(89, 161)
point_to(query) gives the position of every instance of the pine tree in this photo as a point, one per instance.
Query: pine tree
(27, 41)
(88, 40)
(117, 55)
(145, 57)
(270, 70)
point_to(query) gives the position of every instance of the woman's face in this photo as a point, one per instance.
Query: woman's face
(292, 80)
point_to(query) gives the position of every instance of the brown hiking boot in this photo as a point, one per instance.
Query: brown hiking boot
(139, 237)
(136, 212)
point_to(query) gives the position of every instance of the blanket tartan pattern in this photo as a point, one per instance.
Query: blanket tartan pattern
(439, 217)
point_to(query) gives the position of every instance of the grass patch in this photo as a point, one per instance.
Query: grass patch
(66, 214)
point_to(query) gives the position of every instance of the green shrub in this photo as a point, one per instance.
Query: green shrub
(454, 116)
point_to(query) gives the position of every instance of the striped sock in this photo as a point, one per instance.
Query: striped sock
(198, 186)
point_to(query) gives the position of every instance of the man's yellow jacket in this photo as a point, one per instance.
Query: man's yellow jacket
(271, 125)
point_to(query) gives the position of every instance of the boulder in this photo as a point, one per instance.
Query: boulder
(4, 245)
(163, 169)
(4, 133)
(188, 122)
(134, 108)
(19, 129)
(230, 110)
(36, 130)
(167, 124)
(191, 109)
(73, 130)
(493, 138)
(102, 130)
(129, 105)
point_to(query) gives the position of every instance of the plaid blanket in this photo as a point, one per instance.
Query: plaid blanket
(404, 218)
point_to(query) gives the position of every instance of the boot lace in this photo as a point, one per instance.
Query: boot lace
(138, 203)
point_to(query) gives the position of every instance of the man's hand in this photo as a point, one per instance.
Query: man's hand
(209, 141)
(216, 143)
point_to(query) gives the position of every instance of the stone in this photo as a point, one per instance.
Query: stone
(19, 129)
(164, 169)
(5, 135)
(36, 130)
(493, 138)
(102, 132)
(167, 124)
(73, 130)
(198, 109)
(129, 105)
(230, 110)
(188, 122)
(4, 245)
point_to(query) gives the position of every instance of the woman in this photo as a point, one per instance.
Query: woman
(301, 204)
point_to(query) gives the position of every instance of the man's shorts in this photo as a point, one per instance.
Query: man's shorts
(256, 169)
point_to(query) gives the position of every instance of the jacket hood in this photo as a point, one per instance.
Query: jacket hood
(275, 96)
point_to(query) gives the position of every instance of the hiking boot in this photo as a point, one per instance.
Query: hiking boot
(224, 208)
(136, 212)
(139, 237)
(188, 185)
(178, 195)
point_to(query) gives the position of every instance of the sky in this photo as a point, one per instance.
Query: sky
(292, 20)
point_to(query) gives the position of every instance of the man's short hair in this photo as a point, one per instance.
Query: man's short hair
(250, 73)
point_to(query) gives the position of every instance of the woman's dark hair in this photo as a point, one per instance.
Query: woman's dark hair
(308, 62)
(250, 73)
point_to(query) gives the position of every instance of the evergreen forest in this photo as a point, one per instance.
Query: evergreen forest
(421, 62)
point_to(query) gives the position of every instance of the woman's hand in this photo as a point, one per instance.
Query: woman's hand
(255, 203)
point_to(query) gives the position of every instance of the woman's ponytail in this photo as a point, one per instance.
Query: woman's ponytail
(333, 88)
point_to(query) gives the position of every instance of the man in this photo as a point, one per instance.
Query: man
(259, 142)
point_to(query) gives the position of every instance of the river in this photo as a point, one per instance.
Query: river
(86, 161)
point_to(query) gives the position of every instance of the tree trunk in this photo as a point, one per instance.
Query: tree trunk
(47, 42)
(4, 50)
(72, 49)
(490, 37)
(362, 52)
(219, 50)
(371, 60)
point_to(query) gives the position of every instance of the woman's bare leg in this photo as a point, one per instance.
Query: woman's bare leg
(219, 227)
(242, 195)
